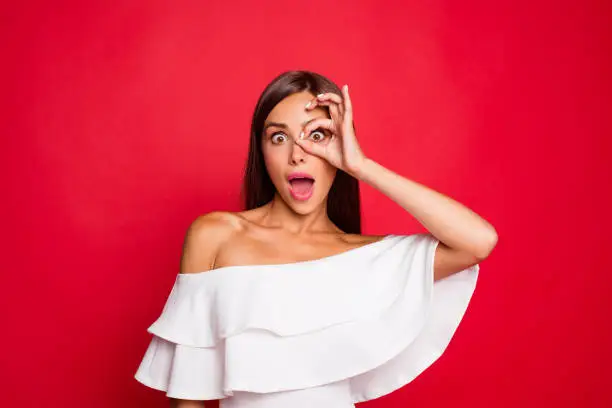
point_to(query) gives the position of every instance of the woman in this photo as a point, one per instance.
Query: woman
(286, 304)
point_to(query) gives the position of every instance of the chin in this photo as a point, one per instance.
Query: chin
(303, 207)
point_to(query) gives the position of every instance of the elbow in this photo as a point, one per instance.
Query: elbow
(487, 245)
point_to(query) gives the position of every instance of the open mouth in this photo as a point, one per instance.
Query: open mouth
(301, 186)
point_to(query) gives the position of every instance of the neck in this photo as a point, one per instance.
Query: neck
(279, 215)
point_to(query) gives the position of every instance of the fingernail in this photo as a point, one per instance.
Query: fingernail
(308, 104)
(301, 135)
(320, 95)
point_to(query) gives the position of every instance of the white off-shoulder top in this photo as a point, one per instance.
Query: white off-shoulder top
(329, 332)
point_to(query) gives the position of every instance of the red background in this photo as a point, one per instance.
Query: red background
(123, 122)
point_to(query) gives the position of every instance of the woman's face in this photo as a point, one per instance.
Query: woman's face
(301, 179)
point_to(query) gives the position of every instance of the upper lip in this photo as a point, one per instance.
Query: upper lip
(297, 174)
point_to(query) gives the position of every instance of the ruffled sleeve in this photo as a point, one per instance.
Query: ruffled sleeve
(372, 315)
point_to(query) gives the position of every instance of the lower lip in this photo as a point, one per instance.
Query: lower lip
(301, 196)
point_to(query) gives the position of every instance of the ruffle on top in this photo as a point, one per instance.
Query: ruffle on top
(372, 315)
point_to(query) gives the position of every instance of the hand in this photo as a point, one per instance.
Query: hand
(342, 149)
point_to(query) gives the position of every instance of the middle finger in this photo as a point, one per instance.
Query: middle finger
(334, 101)
(327, 98)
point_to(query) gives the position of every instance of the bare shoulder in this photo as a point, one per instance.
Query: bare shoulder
(206, 234)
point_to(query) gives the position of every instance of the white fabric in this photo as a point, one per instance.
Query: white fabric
(330, 332)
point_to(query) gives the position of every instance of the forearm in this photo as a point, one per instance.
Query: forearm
(448, 220)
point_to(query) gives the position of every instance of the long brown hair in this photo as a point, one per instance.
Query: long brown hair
(343, 201)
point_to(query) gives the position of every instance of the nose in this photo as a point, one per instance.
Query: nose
(298, 155)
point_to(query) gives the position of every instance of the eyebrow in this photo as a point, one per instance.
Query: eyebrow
(284, 125)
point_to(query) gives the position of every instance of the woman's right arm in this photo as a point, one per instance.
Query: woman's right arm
(179, 403)
(202, 241)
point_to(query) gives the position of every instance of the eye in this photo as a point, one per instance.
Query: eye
(318, 135)
(278, 137)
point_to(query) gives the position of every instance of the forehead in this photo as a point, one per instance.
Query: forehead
(292, 110)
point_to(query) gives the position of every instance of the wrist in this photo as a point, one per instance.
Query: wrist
(361, 171)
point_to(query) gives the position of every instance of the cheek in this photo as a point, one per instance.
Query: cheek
(327, 173)
(274, 163)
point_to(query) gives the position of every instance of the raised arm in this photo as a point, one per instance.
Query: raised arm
(465, 237)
